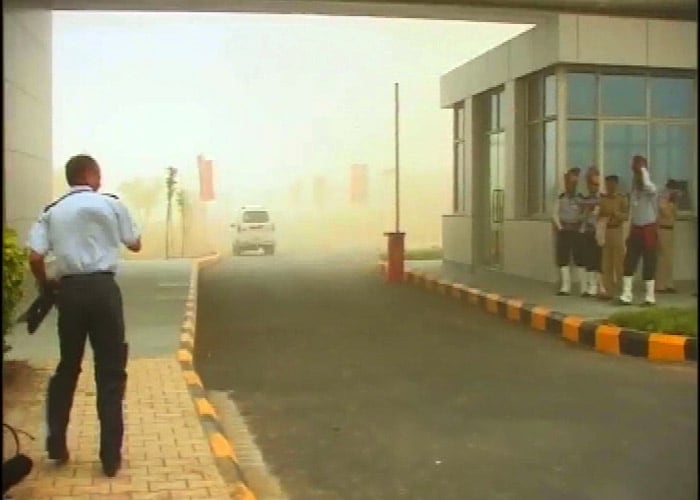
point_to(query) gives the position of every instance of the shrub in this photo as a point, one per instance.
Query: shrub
(14, 265)
(673, 320)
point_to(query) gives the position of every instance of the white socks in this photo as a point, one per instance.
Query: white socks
(592, 284)
(583, 280)
(565, 274)
(649, 297)
(626, 297)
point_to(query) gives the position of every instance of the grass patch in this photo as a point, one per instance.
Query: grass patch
(433, 253)
(672, 320)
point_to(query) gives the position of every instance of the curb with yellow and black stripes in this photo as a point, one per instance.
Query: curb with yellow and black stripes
(222, 449)
(604, 338)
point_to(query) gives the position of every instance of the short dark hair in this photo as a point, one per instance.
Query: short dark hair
(77, 167)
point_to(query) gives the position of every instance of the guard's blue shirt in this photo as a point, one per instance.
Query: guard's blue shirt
(84, 230)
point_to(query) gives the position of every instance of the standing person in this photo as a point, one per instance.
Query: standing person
(84, 230)
(566, 218)
(668, 200)
(614, 212)
(642, 241)
(590, 249)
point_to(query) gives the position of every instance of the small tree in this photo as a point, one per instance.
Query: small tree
(14, 264)
(181, 201)
(170, 183)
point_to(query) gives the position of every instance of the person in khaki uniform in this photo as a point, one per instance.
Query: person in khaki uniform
(612, 214)
(666, 220)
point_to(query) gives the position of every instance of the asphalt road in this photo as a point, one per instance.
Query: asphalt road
(355, 389)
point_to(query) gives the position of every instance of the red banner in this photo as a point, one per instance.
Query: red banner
(206, 179)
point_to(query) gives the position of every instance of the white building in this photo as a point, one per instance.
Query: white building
(578, 90)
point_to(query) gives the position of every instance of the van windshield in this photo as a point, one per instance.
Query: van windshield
(255, 217)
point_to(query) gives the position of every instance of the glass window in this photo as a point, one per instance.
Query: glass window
(672, 97)
(621, 141)
(535, 172)
(550, 95)
(582, 94)
(256, 217)
(580, 144)
(534, 98)
(671, 157)
(623, 95)
(550, 161)
(459, 123)
(493, 102)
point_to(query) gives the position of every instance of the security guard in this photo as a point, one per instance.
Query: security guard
(590, 249)
(613, 213)
(566, 218)
(84, 230)
(642, 241)
(667, 217)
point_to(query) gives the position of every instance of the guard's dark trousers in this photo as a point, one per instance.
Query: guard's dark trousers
(90, 306)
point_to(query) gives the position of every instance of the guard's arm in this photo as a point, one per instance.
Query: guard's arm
(649, 186)
(555, 214)
(128, 231)
(39, 245)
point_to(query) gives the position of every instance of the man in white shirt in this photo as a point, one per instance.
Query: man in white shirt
(84, 230)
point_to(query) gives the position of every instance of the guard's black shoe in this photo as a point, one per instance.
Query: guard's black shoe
(563, 294)
(58, 453)
(111, 467)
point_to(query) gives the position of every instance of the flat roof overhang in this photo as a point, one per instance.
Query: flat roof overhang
(521, 11)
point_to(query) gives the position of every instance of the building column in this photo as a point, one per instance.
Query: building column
(27, 149)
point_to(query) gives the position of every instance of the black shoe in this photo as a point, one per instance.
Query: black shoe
(57, 453)
(111, 467)
(563, 294)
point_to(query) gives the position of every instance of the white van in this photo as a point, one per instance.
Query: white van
(253, 230)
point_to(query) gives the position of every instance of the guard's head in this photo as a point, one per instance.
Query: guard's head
(611, 183)
(593, 179)
(83, 170)
(571, 178)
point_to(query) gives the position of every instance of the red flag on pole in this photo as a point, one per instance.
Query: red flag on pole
(206, 179)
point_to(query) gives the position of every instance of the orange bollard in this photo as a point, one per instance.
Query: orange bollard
(394, 271)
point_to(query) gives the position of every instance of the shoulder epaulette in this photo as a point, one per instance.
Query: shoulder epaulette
(56, 202)
(111, 195)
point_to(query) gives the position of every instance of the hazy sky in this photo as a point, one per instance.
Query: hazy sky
(267, 97)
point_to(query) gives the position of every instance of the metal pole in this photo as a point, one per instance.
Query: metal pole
(396, 142)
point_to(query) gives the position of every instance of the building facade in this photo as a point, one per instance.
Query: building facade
(572, 92)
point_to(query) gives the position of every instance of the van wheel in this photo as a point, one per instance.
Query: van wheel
(270, 250)
(236, 251)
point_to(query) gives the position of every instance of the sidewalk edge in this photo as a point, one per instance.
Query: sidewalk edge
(222, 449)
(656, 346)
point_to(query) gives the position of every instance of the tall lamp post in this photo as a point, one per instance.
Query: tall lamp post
(395, 239)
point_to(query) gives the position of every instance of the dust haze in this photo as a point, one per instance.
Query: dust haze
(295, 113)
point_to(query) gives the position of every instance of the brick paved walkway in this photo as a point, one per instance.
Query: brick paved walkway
(166, 454)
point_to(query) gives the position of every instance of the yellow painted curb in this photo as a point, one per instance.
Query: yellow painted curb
(539, 318)
(513, 310)
(220, 446)
(204, 407)
(241, 492)
(184, 356)
(666, 347)
(607, 339)
(570, 328)
(191, 378)
(492, 302)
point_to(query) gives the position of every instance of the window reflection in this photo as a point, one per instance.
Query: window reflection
(581, 143)
(623, 95)
(582, 96)
(672, 97)
(671, 157)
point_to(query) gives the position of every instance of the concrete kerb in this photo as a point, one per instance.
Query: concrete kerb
(222, 449)
(601, 337)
